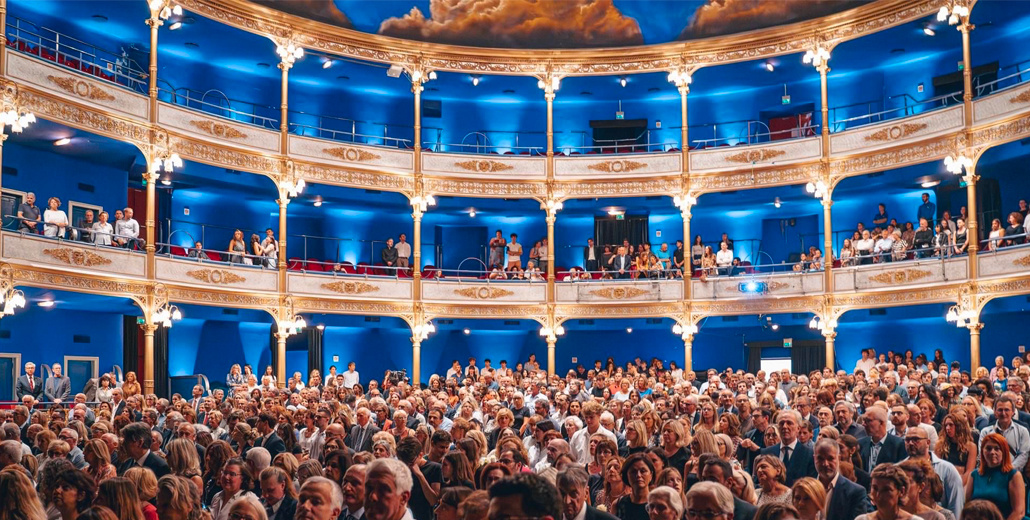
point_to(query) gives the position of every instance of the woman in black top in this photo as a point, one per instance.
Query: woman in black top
(674, 442)
(638, 474)
(1015, 227)
(456, 470)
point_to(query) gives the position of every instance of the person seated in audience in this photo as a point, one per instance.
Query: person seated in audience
(28, 214)
(847, 254)
(664, 256)
(961, 237)
(237, 249)
(724, 258)
(83, 231)
(996, 236)
(816, 257)
(883, 248)
(270, 248)
(126, 230)
(946, 222)
(899, 248)
(924, 238)
(908, 234)
(621, 264)
(102, 231)
(516, 273)
(55, 219)
(1015, 229)
(606, 274)
(497, 274)
(803, 264)
(198, 251)
(644, 264)
(533, 272)
(864, 248)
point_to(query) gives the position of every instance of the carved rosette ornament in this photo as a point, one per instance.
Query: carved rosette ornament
(483, 293)
(618, 293)
(218, 129)
(622, 166)
(80, 88)
(77, 257)
(755, 156)
(350, 287)
(895, 132)
(900, 276)
(483, 166)
(216, 276)
(351, 154)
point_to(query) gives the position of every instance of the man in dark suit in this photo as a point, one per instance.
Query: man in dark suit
(845, 414)
(135, 450)
(269, 440)
(354, 493)
(278, 506)
(879, 447)
(847, 499)
(591, 257)
(29, 384)
(58, 388)
(794, 454)
(620, 264)
(574, 490)
(754, 440)
(360, 437)
(714, 469)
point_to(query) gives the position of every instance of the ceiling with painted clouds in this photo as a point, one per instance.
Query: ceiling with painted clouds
(558, 23)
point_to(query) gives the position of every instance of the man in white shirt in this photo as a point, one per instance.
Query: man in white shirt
(580, 443)
(724, 259)
(403, 251)
(350, 377)
(127, 230)
(1017, 435)
(867, 362)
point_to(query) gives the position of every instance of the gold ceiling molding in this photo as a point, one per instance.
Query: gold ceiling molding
(216, 296)
(619, 166)
(1011, 129)
(231, 158)
(628, 309)
(904, 155)
(348, 153)
(896, 132)
(492, 188)
(1023, 97)
(462, 310)
(900, 276)
(752, 45)
(77, 257)
(342, 176)
(483, 166)
(618, 293)
(483, 293)
(217, 129)
(355, 306)
(80, 88)
(92, 119)
(646, 186)
(757, 178)
(84, 282)
(754, 156)
(216, 276)
(350, 287)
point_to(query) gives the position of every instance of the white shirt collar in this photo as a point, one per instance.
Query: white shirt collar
(143, 459)
(582, 514)
(793, 446)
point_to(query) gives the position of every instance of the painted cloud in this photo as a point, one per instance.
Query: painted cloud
(318, 10)
(719, 17)
(518, 24)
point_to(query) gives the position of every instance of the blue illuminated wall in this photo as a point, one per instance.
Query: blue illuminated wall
(211, 347)
(54, 175)
(47, 335)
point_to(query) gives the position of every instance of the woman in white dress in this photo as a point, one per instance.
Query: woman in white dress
(55, 219)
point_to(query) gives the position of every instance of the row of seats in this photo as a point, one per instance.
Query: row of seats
(73, 63)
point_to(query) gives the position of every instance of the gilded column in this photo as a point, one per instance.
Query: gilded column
(550, 86)
(417, 210)
(551, 341)
(551, 217)
(3, 38)
(154, 22)
(974, 345)
(828, 244)
(684, 143)
(830, 335)
(416, 360)
(972, 227)
(284, 201)
(150, 177)
(284, 124)
(148, 356)
(416, 254)
(824, 68)
(687, 260)
(967, 72)
(280, 360)
(688, 353)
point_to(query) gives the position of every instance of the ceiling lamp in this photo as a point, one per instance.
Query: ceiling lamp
(327, 63)
(818, 189)
(16, 121)
(822, 325)
(289, 53)
(769, 66)
(166, 315)
(175, 26)
(629, 330)
(165, 9)
(956, 164)
(927, 30)
(467, 332)
(166, 181)
(475, 80)
(15, 300)
(930, 184)
(423, 331)
(62, 141)
(960, 317)
(680, 78)
(816, 58)
(684, 331)
(472, 212)
(422, 203)
(776, 202)
(46, 304)
(622, 81)
(318, 202)
(953, 15)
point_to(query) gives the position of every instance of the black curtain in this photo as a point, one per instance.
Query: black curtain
(132, 336)
(273, 344)
(754, 358)
(612, 231)
(315, 360)
(162, 383)
(806, 356)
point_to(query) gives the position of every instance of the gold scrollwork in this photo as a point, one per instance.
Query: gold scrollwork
(899, 276)
(1023, 97)
(622, 166)
(483, 293)
(896, 132)
(218, 129)
(351, 154)
(350, 287)
(755, 156)
(483, 166)
(1023, 261)
(218, 276)
(80, 88)
(770, 286)
(77, 257)
(618, 293)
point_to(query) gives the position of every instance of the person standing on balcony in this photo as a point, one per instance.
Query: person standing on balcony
(927, 210)
(542, 251)
(497, 246)
(724, 258)
(83, 234)
(590, 257)
(102, 231)
(127, 230)
(28, 213)
(389, 256)
(56, 219)
(403, 251)
(621, 263)
(514, 253)
(881, 218)
(270, 248)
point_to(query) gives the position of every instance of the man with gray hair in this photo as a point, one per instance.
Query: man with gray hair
(845, 414)
(320, 499)
(29, 384)
(387, 490)
(10, 453)
(709, 493)
(667, 497)
(71, 436)
(847, 499)
(795, 455)
(879, 447)
(573, 485)
(258, 459)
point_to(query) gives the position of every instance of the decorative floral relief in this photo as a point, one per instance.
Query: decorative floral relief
(61, 111)
(77, 257)
(896, 132)
(619, 293)
(483, 166)
(1023, 97)
(1023, 261)
(217, 276)
(483, 293)
(80, 88)
(755, 156)
(901, 276)
(351, 154)
(621, 166)
(218, 129)
(350, 287)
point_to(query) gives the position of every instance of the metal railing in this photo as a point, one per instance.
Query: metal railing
(29, 38)
(749, 131)
(907, 106)
(216, 103)
(80, 235)
(351, 130)
(1009, 76)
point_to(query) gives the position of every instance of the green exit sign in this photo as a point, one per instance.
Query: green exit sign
(787, 342)
(620, 217)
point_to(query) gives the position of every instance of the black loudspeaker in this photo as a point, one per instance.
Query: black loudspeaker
(432, 108)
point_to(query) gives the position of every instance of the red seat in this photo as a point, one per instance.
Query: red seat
(178, 251)
(315, 265)
(295, 264)
(363, 268)
(836, 264)
(217, 257)
(430, 272)
(403, 273)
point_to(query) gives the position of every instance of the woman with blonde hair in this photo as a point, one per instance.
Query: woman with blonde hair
(146, 486)
(674, 443)
(703, 442)
(709, 418)
(243, 436)
(17, 489)
(98, 457)
(131, 386)
(743, 487)
(808, 496)
(177, 499)
(672, 478)
(119, 495)
(480, 438)
(637, 438)
(184, 461)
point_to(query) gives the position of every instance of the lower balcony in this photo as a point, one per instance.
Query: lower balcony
(889, 275)
(484, 291)
(757, 285)
(212, 273)
(349, 286)
(615, 291)
(36, 249)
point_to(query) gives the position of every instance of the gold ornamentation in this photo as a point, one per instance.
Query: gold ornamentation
(620, 166)
(346, 287)
(1023, 97)
(1023, 261)
(216, 276)
(899, 276)
(483, 292)
(896, 132)
(228, 158)
(59, 110)
(618, 293)
(755, 156)
(218, 129)
(770, 286)
(80, 88)
(343, 176)
(910, 153)
(351, 154)
(77, 257)
(483, 166)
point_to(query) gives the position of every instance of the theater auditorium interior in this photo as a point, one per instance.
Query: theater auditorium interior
(641, 201)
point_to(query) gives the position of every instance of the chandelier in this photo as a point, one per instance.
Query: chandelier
(816, 58)
(423, 331)
(953, 15)
(422, 203)
(818, 189)
(960, 317)
(165, 315)
(16, 121)
(289, 53)
(684, 332)
(955, 164)
(165, 9)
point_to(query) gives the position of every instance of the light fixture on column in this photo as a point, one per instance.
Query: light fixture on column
(680, 78)
(166, 163)
(289, 52)
(293, 325)
(817, 57)
(16, 120)
(822, 325)
(13, 299)
(422, 202)
(552, 333)
(165, 315)
(552, 206)
(418, 77)
(422, 331)
(954, 14)
(165, 8)
(684, 202)
(960, 317)
(552, 85)
(684, 331)
(818, 189)
(957, 163)
(292, 187)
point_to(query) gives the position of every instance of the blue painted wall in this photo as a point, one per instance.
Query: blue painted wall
(211, 347)
(46, 336)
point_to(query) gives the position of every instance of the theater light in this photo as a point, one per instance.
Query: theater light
(769, 66)
(62, 141)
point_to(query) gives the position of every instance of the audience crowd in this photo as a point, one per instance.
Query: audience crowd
(901, 436)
